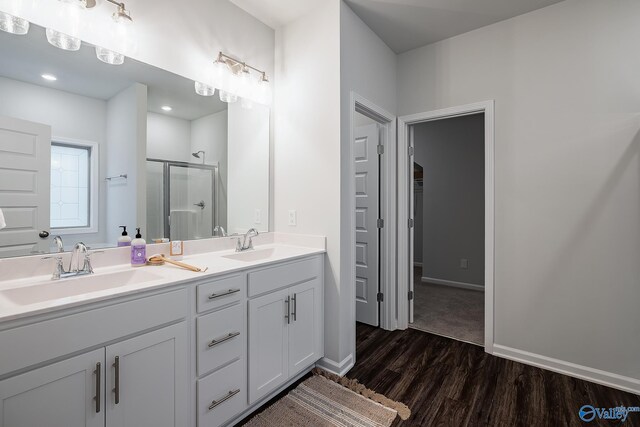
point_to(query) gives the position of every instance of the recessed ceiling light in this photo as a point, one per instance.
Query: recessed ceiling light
(49, 77)
(166, 108)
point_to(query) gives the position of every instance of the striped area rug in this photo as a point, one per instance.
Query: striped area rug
(319, 401)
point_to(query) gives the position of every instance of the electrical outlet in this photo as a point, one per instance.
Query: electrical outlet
(464, 263)
(258, 217)
(293, 218)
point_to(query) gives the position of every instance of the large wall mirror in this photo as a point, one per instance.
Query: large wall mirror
(87, 147)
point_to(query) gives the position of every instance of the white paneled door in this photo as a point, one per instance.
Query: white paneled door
(367, 167)
(25, 164)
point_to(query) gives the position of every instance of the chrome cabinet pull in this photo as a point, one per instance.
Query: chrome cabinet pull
(223, 339)
(229, 292)
(116, 390)
(288, 303)
(295, 307)
(224, 399)
(98, 398)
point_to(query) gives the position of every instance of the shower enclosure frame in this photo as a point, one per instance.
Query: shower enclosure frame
(166, 189)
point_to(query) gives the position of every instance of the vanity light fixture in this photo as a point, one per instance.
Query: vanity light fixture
(166, 108)
(63, 41)
(109, 56)
(234, 78)
(49, 77)
(203, 89)
(13, 24)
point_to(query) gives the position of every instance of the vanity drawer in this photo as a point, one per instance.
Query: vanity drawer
(282, 276)
(221, 338)
(222, 395)
(221, 292)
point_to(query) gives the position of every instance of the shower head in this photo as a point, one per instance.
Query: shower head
(197, 155)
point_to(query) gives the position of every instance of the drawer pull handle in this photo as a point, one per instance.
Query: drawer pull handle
(225, 338)
(98, 398)
(229, 292)
(224, 399)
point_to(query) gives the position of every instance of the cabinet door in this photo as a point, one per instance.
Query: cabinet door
(59, 395)
(268, 343)
(305, 340)
(147, 380)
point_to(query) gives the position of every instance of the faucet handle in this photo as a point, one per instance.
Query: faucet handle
(238, 243)
(59, 267)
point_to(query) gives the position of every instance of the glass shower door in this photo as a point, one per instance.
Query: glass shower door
(191, 201)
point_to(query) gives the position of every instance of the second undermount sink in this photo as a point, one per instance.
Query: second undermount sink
(65, 288)
(252, 255)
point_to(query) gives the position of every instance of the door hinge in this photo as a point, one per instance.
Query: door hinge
(410, 295)
(411, 222)
(380, 149)
(380, 223)
(380, 297)
(411, 151)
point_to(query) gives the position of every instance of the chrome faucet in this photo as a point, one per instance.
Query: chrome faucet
(78, 249)
(219, 231)
(244, 246)
(59, 244)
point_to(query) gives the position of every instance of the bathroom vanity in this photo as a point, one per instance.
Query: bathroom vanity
(160, 346)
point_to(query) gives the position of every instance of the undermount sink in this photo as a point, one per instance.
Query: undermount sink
(252, 255)
(64, 288)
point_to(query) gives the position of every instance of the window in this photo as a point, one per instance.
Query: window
(71, 185)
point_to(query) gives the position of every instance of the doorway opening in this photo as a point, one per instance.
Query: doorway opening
(448, 212)
(454, 233)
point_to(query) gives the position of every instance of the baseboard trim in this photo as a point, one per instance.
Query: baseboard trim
(334, 367)
(453, 284)
(597, 376)
(417, 264)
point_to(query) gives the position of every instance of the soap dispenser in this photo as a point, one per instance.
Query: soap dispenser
(125, 239)
(138, 250)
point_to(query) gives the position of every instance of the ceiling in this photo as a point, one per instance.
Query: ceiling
(276, 13)
(404, 24)
(408, 24)
(26, 58)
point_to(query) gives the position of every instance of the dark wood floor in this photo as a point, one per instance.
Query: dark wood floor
(451, 383)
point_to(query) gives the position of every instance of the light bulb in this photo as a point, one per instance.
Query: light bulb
(62, 40)
(220, 75)
(263, 90)
(108, 56)
(13, 24)
(245, 83)
(204, 89)
(227, 96)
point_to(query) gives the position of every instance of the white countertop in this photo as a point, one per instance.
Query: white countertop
(167, 275)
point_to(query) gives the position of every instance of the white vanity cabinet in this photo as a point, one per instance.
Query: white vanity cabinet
(140, 381)
(285, 324)
(65, 394)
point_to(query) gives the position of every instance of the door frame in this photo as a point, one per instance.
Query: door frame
(388, 197)
(405, 214)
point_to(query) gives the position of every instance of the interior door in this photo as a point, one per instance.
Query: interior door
(269, 317)
(147, 382)
(59, 395)
(304, 329)
(25, 166)
(367, 168)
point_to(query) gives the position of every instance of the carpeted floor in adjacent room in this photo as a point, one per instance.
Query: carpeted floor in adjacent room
(451, 312)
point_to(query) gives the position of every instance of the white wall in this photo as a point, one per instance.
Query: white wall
(209, 133)
(168, 138)
(126, 154)
(368, 68)
(307, 147)
(451, 152)
(70, 116)
(567, 171)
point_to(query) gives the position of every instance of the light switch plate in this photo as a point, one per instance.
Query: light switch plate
(258, 217)
(293, 218)
(464, 263)
(176, 248)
